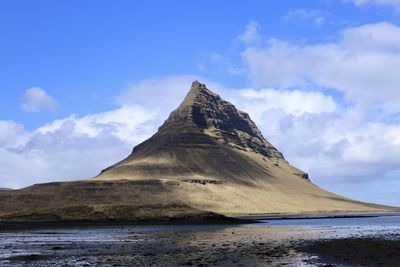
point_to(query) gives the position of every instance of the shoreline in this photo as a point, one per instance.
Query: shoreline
(323, 215)
(10, 225)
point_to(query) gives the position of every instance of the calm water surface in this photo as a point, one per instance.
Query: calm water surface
(378, 221)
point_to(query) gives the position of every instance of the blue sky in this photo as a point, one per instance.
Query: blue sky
(318, 77)
(93, 49)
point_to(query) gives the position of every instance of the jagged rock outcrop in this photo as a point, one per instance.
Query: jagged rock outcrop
(221, 120)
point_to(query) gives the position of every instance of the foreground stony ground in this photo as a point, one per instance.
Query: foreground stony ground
(362, 251)
(197, 246)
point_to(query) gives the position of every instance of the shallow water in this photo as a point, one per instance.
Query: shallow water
(381, 225)
(378, 221)
(268, 243)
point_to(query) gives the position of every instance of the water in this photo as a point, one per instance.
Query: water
(129, 245)
(386, 226)
(378, 221)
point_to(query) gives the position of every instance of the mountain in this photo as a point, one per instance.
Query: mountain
(205, 138)
(207, 158)
(221, 162)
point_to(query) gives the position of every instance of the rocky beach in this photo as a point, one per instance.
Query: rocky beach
(362, 241)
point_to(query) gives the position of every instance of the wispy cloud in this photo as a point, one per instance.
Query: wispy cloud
(393, 3)
(251, 34)
(36, 99)
(316, 17)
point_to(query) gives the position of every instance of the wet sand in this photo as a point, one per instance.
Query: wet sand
(220, 247)
(213, 245)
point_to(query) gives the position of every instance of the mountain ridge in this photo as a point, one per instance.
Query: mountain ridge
(221, 118)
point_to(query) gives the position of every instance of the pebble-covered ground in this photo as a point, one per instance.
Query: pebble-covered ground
(200, 246)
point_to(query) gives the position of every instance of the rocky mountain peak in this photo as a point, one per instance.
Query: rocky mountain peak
(219, 119)
(198, 95)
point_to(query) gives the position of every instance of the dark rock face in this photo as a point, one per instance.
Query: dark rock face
(220, 119)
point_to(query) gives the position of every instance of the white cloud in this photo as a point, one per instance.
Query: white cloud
(293, 102)
(126, 123)
(251, 34)
(317, 17)
(337, 151)
(393, 3)
(71, 148)
(36, 98)
(11, 133)
(360, 64)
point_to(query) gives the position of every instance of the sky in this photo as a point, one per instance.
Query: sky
(83, 82)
